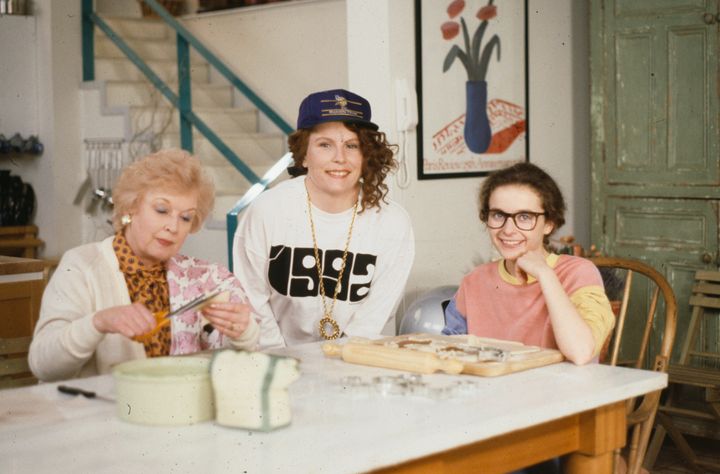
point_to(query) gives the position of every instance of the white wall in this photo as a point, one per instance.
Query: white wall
(282, 51)
(560, 103)
(44, 69)
(18, 71)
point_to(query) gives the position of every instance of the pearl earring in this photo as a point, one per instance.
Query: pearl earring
(126, 219)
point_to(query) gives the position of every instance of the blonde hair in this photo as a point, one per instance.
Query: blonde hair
(170, 170)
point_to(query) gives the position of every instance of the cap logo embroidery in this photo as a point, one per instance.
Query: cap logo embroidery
(337, 105)
(341, 108)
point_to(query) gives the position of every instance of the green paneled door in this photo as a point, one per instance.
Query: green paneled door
(655, 140)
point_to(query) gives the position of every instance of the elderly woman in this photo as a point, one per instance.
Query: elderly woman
(102, 298)
(326, 253)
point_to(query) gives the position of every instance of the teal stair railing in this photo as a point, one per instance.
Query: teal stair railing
(183, 99)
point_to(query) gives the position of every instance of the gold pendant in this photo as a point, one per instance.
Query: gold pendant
(323, 325)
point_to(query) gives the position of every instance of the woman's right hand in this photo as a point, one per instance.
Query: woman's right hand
(130, 320)
(533, 263)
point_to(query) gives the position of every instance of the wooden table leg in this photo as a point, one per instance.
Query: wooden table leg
(601, 431)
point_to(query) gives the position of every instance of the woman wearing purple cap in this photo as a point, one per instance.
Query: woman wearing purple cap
(331, 223)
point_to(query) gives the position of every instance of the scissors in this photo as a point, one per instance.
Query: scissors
(162, 318)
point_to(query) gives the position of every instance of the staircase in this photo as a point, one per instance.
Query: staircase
(149, 117)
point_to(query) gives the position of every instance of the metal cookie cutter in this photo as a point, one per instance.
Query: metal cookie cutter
(492, 353)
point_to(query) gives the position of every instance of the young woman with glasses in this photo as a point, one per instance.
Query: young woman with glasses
(531, 295)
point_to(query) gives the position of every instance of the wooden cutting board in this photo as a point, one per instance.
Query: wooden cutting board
(419, 353)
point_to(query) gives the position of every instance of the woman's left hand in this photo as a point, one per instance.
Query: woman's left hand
(231, 319)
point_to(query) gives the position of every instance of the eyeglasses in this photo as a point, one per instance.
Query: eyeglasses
(524, 220)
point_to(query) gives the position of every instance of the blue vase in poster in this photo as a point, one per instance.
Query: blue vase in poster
(477, 126)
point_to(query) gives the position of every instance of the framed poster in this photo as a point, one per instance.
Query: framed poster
(472, 84)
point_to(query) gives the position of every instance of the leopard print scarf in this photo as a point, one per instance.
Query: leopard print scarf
(147, 285)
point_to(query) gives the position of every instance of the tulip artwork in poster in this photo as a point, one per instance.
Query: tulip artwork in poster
(472, 86)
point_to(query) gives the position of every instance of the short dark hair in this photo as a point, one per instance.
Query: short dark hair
(535, 178)
(377, 154)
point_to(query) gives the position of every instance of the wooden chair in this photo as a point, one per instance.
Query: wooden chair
(14, 368)
(639, 310)
(696, 373)
(20, 241)
(20, 294)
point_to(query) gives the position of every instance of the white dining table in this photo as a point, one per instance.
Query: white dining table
(496, 424)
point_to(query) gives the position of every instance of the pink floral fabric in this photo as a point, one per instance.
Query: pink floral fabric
(189, 278)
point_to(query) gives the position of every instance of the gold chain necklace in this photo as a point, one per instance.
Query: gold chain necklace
(328, 320)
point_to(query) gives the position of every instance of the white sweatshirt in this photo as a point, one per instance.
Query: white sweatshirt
(273, 258)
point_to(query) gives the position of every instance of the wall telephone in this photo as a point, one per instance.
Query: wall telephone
(406, 115)
(406, 119)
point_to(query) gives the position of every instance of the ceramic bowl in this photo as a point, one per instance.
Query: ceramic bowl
(164, 391)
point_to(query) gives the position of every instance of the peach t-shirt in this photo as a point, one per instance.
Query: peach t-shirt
(498, 305)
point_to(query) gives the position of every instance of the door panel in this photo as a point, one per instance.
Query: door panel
(656, 7)
(660, 85)
(633, 105)
(687, 145)
(681, 227)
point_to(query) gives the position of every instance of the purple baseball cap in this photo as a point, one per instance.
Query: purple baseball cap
(336, 105)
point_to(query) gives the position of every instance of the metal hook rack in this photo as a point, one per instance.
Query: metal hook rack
(14, 7)
(105, 162)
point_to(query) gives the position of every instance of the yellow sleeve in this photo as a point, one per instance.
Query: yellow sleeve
(594, 307)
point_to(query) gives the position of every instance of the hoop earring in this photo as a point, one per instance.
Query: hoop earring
(126, 219)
